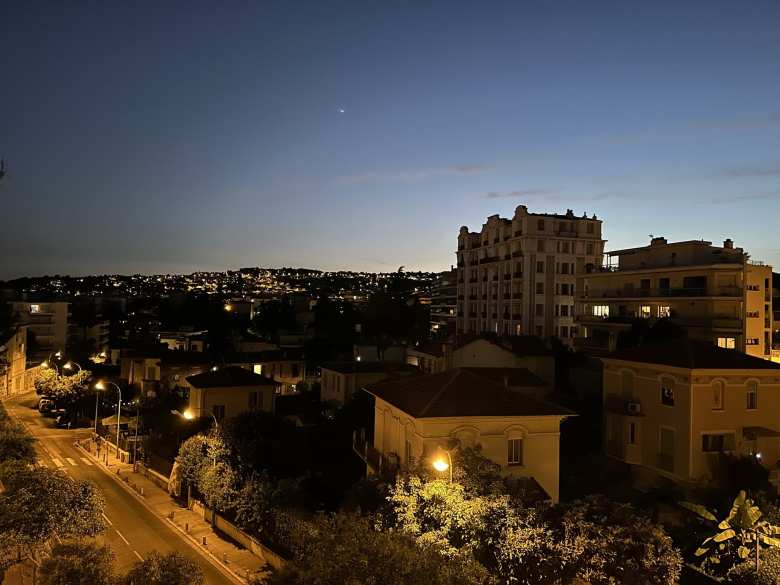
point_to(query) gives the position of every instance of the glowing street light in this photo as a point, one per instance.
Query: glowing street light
(101, 385)
(441, 464)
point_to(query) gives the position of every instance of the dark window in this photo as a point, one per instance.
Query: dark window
(540, 225)
(540, 267)
(515, 452)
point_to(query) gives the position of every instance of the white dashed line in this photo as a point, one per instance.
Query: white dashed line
(127, 542)
(107, 520)
(140, 558)
(57, 462)
(69, 460)
(86, 461)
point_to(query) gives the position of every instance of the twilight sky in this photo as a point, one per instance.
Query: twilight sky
(176, 136)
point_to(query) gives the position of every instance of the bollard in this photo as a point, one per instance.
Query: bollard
(172, 514)
(224, 558)
(204, 541)
(187, 527)
(142, 491)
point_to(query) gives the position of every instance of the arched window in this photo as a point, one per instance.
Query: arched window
(752, 395)
(667, 392)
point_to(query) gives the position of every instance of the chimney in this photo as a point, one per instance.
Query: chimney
(659, 241)
(728, 243)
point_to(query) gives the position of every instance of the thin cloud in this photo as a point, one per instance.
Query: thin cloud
(518, 193)
(412, 175)
(742, 198)
(770, 170)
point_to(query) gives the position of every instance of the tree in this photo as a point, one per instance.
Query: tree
(347, 549)
(608, 543)
(170, 569)
(740, 533)
(192, 457)
(78, 563)
(218, 483)
(39, 505)
(255, 504)
(15, 443)
(65, 390)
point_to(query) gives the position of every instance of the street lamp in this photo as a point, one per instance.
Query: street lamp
(101, 385)
(189, 415)
(441, 464)
(69, 365)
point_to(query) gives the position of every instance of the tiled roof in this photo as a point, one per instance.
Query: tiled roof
(693, 354)
(368, 367)
(512, 376)
(460, 392)
(520, 345)
(229, 377)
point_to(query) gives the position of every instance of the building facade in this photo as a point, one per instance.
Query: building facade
(13, 361)
(47, 322)
(228, 392)
(715, 293)
(444, 295)
(671, 409)
(518, 276)
(416, 417)
(341, 380)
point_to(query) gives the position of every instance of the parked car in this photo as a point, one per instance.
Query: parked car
(45, 405)
(64, 419)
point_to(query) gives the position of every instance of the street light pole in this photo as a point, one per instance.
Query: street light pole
(101, 386)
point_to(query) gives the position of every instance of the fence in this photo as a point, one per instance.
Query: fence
(248, 542)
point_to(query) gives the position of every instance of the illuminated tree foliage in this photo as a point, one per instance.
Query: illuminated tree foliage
(170, 569)
(77, 563)
(62, 389)
(40, 505)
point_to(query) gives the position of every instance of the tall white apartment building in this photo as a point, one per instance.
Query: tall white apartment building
(517, 276)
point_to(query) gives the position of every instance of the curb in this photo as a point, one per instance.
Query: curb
(210, 556)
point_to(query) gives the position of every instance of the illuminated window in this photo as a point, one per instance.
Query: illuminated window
(664, 311)
(752, 396)
(717, 395)
(258, 369)
(515, 451)
(601, 311)
(35, 308)
(727, 342)
(644, 311)
(667, 392)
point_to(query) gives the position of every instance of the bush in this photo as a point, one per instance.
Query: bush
(768, 570)
(170, 569)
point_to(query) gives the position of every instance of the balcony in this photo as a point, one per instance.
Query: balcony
(566, 233)
(507, 256)
(494, 315)
(507, 276)
(472, 297)
(488, 259)
(507, 296)
(385, 466)
(649, 293)
(518, 233)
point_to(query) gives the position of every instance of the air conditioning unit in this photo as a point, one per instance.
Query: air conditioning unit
(634, 408)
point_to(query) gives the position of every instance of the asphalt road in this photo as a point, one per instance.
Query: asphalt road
(132, 531)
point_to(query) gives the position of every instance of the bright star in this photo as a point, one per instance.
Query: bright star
(341, 110)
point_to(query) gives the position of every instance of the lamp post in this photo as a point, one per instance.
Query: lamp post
(187, 414)
(441, 465)
(48, 362)
(102, 386)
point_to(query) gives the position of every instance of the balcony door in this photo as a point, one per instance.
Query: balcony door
(666, 449)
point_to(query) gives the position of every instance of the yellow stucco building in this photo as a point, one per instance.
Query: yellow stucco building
(415, 417)
(716, 293)
(672, 408)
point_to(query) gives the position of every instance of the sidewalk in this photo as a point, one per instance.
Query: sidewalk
(238, 561)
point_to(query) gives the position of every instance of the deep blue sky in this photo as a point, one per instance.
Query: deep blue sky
(175, 136)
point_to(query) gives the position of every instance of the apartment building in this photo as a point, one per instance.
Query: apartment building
(518, 276)
(444, 304)
(716, 293)
(672, 408)
(13, 361)
(47, 322)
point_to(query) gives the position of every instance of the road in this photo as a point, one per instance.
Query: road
(132, 530)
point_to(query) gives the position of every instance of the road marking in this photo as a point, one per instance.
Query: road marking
(127, 542)
(140, 558)
(87, 461)
(57, 462)
(106, 519)
(69, 460)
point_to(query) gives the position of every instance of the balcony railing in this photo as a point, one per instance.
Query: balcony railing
(385, 466)
(638, 293)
